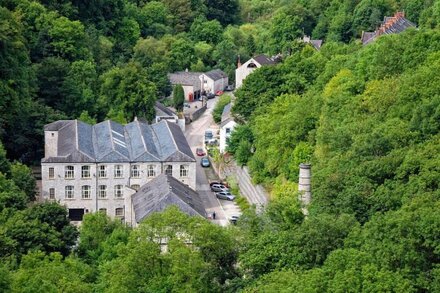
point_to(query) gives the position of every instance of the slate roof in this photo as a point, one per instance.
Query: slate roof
(226, 115)
(163, 191)
(161, 110)
(316, 44)
(108, 141)
(186, 78)
(390, 25)
(216, 74)
(263, 60)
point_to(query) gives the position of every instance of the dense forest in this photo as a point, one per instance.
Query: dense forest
(366, 117)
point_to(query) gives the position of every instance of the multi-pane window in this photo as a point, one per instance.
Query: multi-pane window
(119, 212)
(151, 171)
(85, 192)
(119, 172)
(136, 186)
(102, 172)
(169, 170)
(102, 191)
(51, 193)
(51, 173)
(69, 191)
(69, 172)
(228, 130)
(85, 171)
(118, 191)
(135, 171)
(103, 210)
(184, 169)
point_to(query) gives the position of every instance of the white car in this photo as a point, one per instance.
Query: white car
(225, 195)
(219, 188)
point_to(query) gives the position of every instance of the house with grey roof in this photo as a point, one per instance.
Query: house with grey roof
(243, 70)
(190, 81)
(214, 81)
(390, 25)
(227, 125)
(165, 113)
(161, 192)
(316, 44)
(91, 168)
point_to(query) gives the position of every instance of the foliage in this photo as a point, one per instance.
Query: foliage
(178, 97)
(219, 106)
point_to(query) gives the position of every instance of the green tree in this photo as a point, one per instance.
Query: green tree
(24, 179)
(178, 97)
(206, 31)
(218, 109)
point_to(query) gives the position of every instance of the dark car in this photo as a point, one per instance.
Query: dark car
(229, 88)
(200, 152)
(205, 162)
(219, 188)
(225, 195)
(210, 96)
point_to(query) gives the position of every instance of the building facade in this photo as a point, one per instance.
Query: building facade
(214, 81)
(96, 168)
(243, 70)
(189, 81)
(227, 126)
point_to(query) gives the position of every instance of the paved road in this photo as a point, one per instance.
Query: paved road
(194, 133)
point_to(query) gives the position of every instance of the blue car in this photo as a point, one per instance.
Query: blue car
(205, 162)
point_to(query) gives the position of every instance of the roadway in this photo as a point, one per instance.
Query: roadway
(194, 133)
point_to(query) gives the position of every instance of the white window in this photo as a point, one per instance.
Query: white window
(85, 191)
(85, 172)
(102, 193)
(69, 172)
(151, 171)
(51, 193)
(119, 191)
(103, 210)
(169, 170)
(51, 173)
(136, 186)
(69, 192)
(119, 212)
(119, 171)
(184, 170)
(135, 171)
(102, 171)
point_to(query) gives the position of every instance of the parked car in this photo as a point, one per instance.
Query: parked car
(200, 152)
(205, 162)
(234, 219)
(211, 142)
(210, 95)
(219, 188)
(186, 105)
(219, 93)
(229, 88)
(225, 195)
(219, 183)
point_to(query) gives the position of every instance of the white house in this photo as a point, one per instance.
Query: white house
(227, 125)
(249, 66)
(165, 113)
(214, 81)
(97, 168)
(190, 82)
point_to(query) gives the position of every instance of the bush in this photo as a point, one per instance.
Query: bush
(218, 110)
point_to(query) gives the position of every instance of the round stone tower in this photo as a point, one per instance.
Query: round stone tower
(305, 183)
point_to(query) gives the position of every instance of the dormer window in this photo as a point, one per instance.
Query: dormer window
(252, 65)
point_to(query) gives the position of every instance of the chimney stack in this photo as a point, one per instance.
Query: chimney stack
(238, 62)
(305, 184)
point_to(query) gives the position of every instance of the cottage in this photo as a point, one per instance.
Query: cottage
(249, 66)
(214, 81)
(316, 44)
(95, 168)
(390, 25)
(190, 82)
(165, 113)
(227, 125)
